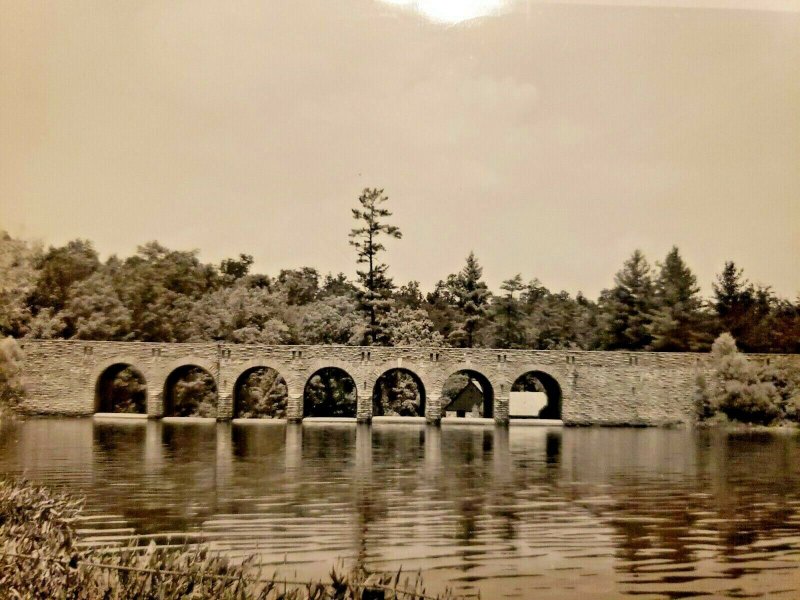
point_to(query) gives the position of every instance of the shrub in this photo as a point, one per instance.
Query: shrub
(195, 394)
(263, 395)
(11, 388)
(39, 525)
(744, 391)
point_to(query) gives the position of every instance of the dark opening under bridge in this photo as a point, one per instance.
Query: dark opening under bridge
(583, 388)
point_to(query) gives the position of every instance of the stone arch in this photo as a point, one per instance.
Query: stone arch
(175, 370)
(487, 388)
(104, 376)
(377, 408)
(240, 379)
(550, 384)
(347, 392)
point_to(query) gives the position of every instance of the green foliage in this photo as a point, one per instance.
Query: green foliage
(94, 310)
(409, 296)
(262, 395)
(47, 325)
(703, 402)
(163, 295)
(239, 314)
(233, 268)
(626, 308)
(397, 393)
(331, 320)
(18, 275)
(508, 314)
(557, 321)
(160, 288)
(41, 558)
(11, 388)
(61, 267)
(412, 327)
(470, 297)
(330, 393)
(125, 392)
(301, 286)
(758, 320)
(676, 324)
(376, 286)
(733, 298)
(744, 391)
(527, 383)
(193, 394)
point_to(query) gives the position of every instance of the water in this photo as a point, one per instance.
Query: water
(519, 513)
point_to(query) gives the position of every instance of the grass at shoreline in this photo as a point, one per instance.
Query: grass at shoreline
(40, 558)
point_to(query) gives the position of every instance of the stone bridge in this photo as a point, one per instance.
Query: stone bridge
(607, 388)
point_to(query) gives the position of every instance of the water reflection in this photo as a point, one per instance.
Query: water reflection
(527, 512)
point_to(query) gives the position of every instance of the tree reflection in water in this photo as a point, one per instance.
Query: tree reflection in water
(660, 512)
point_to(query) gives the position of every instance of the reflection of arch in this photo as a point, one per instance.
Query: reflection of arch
(550, 386)
(377, 405)
(330, 392)
(486, 390)
(241, 380)
(179, 371)
(128, 398)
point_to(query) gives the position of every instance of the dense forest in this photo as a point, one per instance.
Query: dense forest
(166, 295)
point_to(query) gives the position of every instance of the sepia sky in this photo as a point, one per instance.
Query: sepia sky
(552, 138)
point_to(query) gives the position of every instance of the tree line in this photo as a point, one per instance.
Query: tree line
(164, 295)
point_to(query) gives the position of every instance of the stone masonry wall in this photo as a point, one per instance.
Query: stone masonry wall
(608, 388)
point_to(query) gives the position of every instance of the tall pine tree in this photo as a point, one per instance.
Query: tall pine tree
(677, 319)
(472, 300)
(734, 299)
(509, 314)
(375, 295)
(627, 307)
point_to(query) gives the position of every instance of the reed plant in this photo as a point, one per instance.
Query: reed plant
(40, 558)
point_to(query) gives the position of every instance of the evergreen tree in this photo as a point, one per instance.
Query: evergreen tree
(409, 296)
(472, 299)
(376, 286)
(508, 315)
(677, 317)
(734, 298)
(627, 307)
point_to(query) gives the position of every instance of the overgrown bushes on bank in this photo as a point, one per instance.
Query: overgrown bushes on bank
(11, 388)
(747, 392)
(40, 559)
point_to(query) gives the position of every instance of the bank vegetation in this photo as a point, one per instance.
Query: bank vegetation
(41, 558)
(741, 390)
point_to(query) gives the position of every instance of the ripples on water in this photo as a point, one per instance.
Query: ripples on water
(521, 513)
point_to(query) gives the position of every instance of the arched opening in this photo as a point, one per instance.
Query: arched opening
(190, 391)
(121, 389)
(398, 392)
(467, 393)
(330, 392)
(535, 395)
(260, 393)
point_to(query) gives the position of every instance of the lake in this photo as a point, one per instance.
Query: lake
(524, 512)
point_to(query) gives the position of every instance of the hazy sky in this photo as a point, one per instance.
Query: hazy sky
(552, 138)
